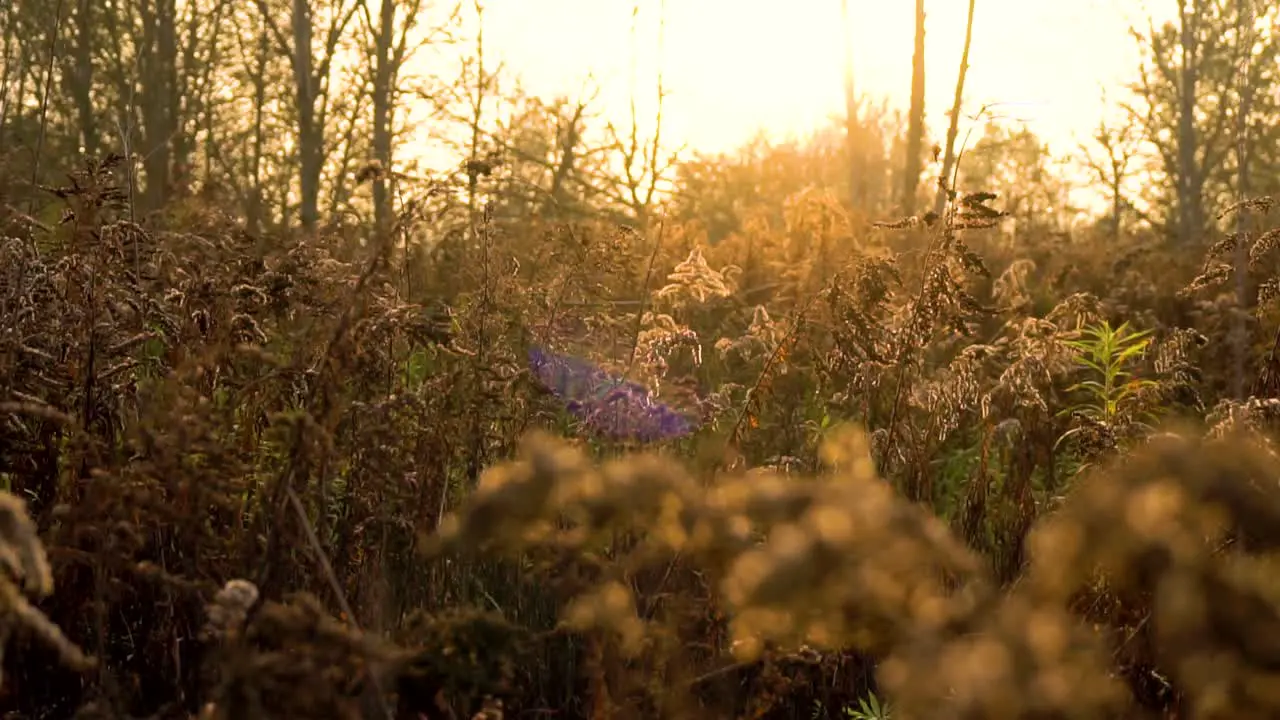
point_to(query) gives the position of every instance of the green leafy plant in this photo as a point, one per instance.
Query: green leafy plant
(869, 708)
(1107, 354)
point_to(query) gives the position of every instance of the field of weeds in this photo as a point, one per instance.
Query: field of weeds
(285, 433)
(250, 478)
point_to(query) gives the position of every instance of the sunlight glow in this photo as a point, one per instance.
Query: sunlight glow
(734, 68)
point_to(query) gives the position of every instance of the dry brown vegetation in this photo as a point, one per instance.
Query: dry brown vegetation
(264, 483)
(282, 439)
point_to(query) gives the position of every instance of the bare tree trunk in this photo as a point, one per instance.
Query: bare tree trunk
(1244, 37)
(169, 135)
(949, 156)
(474, 169)
(310, 138)
(81, 77)
(159, 114)
(1117, 204)
(915, 128)
(382, 117)
(569, 139)
(283, 182)
(10, 63)
(254, 215)
(853, 139)
(311, 75)
(20, 94)
(1190, 178)
(206, 104)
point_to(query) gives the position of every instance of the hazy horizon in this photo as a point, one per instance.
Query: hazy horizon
(730, 72)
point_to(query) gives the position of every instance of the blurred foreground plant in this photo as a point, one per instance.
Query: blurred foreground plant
(24, 570)
(834, 563)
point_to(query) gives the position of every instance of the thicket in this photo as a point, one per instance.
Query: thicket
(291, 427)
(924, 473)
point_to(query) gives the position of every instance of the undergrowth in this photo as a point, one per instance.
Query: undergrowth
(918, 476)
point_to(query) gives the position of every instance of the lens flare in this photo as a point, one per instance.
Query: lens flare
(610, 406)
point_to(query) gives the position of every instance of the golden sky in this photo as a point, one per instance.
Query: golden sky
(737, 66)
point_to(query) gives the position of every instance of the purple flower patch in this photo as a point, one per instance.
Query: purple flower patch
(609, 405)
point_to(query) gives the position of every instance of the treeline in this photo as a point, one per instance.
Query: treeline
(322, 112)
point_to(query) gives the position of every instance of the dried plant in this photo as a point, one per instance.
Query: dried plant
(496, 465)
